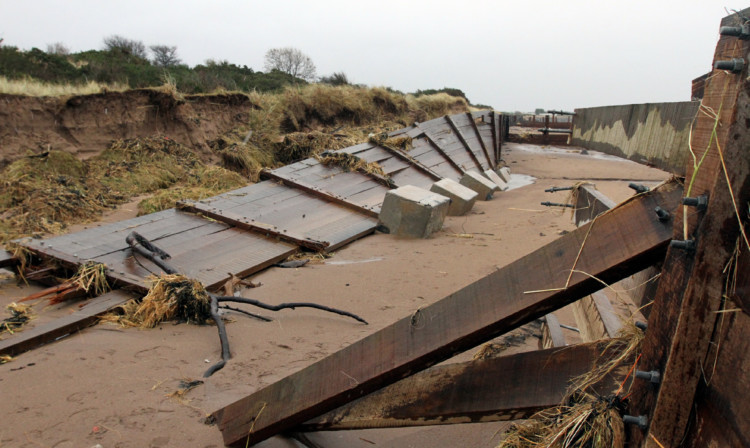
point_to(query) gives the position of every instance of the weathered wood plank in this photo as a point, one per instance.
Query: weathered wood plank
(241, 222)
(7, 260)
(479, 137)
(590, 203)
(505, 388)
(413, 162)
(596, 318)
(27, 340)
(609, 249)
(552, 335)
(442, 152)
(317, 192)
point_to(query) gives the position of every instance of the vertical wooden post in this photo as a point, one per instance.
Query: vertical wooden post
(684, 314)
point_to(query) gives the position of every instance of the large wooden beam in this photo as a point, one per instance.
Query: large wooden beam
(683, 319)
(242, 222)
(505, 388)
(27, 340)
(616, 245)
(318, 193)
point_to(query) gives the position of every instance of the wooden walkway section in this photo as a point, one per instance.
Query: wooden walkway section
(304, 205)
(506, 299)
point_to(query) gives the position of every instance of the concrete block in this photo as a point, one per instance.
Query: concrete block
(491, 175)
(413, 212)
(480, 184)
(504, 173)
(462, 198)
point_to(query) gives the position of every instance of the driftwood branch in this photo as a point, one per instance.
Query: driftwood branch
(140, 245)
(225, 354)
(257, 316)
(291, 305)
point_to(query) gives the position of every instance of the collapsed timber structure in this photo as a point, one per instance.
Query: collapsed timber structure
(309, 204)
(691, 372)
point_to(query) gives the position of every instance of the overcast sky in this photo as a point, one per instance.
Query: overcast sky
(516, 55)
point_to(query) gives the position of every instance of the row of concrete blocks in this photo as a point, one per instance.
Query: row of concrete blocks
(411, 211)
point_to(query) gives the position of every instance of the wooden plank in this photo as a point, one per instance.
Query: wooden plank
(683, 316)
(479, 137)
(35, 337)
(241, 222)
(552, 335)
(463, 141)
(595, 317)
(315, 191)
(494, 389)
(7, 260)
(608, 249)
(413, 162)
(590, 203)
(721, 406)
(440, 150)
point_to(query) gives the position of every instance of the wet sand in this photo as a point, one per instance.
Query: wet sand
(108, 385)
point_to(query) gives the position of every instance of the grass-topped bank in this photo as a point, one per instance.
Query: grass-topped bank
(178, 146)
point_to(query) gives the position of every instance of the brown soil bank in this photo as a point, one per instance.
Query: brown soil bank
(85, 125)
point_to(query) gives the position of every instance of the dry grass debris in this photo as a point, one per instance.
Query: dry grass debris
(31, 87)
(44, 193)
(350, 162)
(585, 419)
(92, 278)
(171, 297)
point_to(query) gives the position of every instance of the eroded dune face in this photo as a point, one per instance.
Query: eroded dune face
(85, 125)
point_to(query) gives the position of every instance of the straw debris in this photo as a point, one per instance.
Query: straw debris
(350, 162)
(43, 193)
(403, 142)
(171, 297)
(584, 419)
(92, 278)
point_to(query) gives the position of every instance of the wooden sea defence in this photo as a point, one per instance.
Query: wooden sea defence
(655, 133)
(310, 204)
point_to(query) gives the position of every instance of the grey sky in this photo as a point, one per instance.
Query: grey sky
(512, 55)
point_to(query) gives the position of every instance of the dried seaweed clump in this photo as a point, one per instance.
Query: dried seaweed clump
(19, 315)
(350, 162)
(403, 142)
(585, 419)
(171, 297)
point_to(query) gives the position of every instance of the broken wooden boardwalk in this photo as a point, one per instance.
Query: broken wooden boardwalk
(529, 288)
(306, 204)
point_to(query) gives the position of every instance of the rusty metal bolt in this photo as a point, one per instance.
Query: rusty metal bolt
(653, 376)
(735, 65)
(640, 420)
(663, 215)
